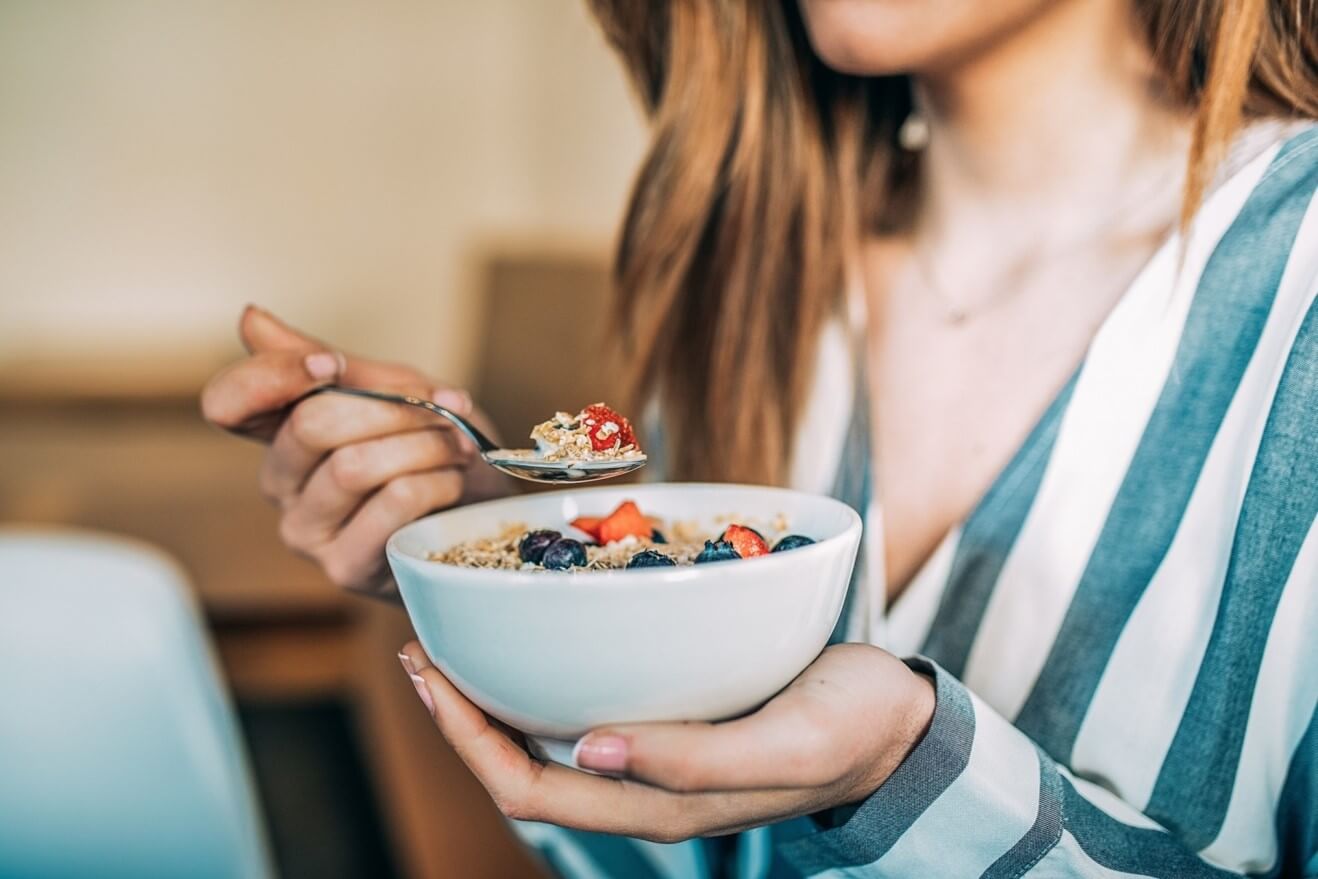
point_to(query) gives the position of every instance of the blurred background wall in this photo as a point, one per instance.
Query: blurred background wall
(338, 161)
(433, 181)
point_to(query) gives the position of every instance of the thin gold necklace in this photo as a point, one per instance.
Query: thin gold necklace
(954, 312)
(914, 136)
(957, 313)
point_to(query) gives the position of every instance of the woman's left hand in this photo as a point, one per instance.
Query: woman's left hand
(831, 738)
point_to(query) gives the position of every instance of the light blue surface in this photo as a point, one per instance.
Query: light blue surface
(119, 754)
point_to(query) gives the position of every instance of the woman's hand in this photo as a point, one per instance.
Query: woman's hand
(344, 472)
(831, 738)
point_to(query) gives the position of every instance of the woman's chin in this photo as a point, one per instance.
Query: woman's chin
(886, 37)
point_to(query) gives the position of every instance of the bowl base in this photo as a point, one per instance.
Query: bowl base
(552, 750)
(559, 751)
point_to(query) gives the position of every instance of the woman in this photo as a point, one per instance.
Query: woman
(1039, 275)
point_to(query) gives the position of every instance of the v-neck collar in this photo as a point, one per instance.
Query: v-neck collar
(1005, 501)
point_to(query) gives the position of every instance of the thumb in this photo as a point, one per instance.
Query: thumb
(778, 746)
(261, 331)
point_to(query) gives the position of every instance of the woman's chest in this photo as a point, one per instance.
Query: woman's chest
(952, 401)
(948, 411)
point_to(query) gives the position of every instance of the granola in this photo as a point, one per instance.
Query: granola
(625, 538)
(596, 433)
(501, 552)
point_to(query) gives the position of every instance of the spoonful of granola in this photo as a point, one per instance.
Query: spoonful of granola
(596, 443)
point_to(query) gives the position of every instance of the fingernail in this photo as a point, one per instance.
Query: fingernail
(322, 365)
(407, 663)
(423, 691)
(453, 398)
(601, 753)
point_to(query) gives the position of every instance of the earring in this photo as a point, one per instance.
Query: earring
(913, 136)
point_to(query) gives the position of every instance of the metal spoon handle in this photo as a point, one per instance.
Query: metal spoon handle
(484, 443)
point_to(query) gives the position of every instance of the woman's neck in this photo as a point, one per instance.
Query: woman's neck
(1060, 112)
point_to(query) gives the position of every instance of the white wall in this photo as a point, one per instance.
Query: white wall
(163, 162)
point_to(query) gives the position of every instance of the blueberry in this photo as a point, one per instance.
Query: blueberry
(532, 547)
(792, 541)
(564, 553)
(657, 536)
(650, 559)
(721, 551)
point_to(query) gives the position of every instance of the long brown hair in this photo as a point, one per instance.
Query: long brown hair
(766, 168)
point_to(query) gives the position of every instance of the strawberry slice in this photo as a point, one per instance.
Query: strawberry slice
(606, 427)
(746, 541)
(626, 520)
(589, 524)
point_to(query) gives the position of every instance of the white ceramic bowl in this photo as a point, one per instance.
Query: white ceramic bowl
(556, 654)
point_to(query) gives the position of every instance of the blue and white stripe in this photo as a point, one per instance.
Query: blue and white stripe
(1124, 631)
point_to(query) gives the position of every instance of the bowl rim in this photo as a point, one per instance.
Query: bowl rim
(498, 577)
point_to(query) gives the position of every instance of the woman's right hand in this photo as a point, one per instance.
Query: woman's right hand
(345, 472)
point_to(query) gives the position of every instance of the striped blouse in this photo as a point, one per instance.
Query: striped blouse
(1124, 631)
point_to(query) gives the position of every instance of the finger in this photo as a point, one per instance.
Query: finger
(509, 770)
(350, 473)
(833, 727)
(261, 384)
(261, 331)
(329, 421)
(527, 790)
(356, 551)
(424, 661)
(326, 422)
(786, 744)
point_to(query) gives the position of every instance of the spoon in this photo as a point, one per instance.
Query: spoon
(520, 463)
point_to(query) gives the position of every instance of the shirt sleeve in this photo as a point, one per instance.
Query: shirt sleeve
(977, 797)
